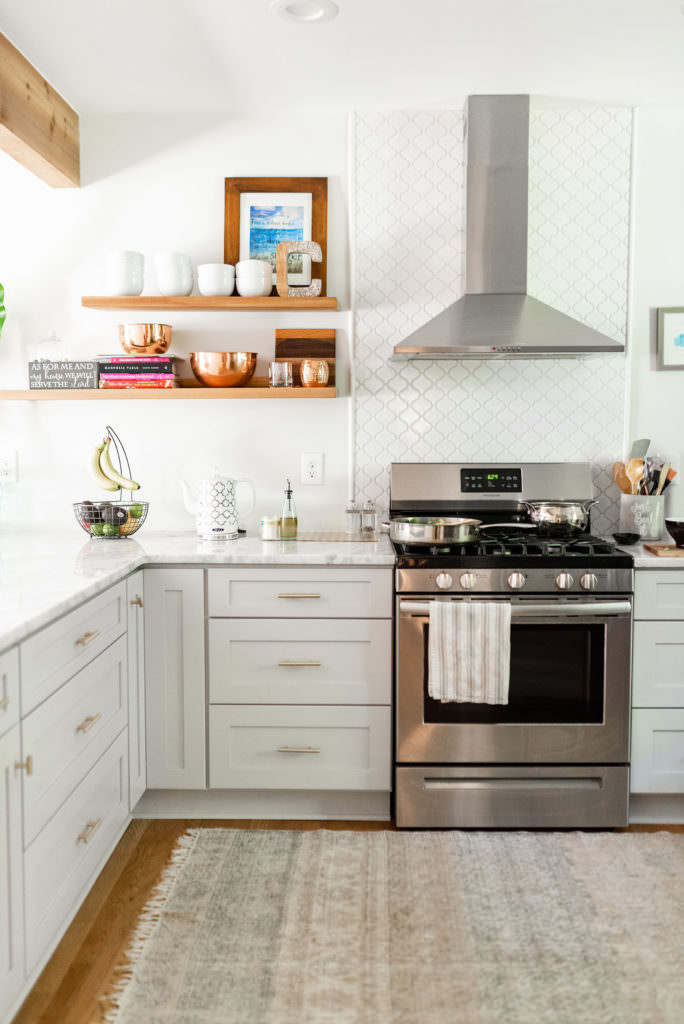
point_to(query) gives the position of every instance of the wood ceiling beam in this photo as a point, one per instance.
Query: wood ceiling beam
(37, 126)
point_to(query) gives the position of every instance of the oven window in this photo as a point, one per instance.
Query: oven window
(556, 676)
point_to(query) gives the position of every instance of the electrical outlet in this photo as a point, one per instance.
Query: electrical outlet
(312, 468)
(8, 467)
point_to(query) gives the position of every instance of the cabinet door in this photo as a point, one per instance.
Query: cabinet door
(175, 703)
(659, 594)
(657, 750)
(137, 769)
(9, 689)
(11, 883)
(658, 676)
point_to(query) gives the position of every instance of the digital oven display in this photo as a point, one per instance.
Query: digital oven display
(491, 481)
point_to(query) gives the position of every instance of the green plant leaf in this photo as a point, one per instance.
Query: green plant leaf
(3, 314)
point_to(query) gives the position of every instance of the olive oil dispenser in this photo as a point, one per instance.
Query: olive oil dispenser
(288, 519)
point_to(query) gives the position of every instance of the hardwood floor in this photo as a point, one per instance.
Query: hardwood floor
(73, 988)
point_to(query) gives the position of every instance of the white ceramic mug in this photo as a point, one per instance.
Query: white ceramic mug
(254, 277)
(215, 278)
(125, 272)
(174, 273)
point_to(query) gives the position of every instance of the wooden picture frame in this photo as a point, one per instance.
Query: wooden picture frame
(671, 338)
(317, 188)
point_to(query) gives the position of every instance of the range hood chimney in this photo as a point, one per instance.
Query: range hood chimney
(496, 318)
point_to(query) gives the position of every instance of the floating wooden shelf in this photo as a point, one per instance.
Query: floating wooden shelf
(256, 388)
(221, 302)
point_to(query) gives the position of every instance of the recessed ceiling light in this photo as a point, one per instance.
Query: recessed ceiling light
(305, 10)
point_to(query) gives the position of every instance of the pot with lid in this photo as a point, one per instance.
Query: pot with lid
(559, 518)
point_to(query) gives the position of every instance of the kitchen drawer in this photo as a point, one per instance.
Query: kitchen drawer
(9, 689)
(62, 861)
(657, 750)
(300, 661)
(658, 674)
(254, 747)
(659, 594)
(57, 652)
(67, 734)
(301, 593)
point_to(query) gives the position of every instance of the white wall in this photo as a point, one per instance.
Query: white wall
(657, 396)
(154, 183)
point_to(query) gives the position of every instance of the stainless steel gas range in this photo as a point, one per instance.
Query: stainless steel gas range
(557, 754)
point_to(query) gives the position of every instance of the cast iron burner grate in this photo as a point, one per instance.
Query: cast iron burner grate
(520, 544)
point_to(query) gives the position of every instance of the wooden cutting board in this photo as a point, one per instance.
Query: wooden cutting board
(665, 550)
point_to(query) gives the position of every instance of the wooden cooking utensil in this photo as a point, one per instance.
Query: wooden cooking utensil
(635, 470)
(621, 478)
(662, 478)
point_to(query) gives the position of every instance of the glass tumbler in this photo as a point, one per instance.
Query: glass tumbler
(280, 375)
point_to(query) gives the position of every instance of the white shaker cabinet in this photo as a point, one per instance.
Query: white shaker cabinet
(137, 768)
(658, 683)
(11, 877)
(175, 706)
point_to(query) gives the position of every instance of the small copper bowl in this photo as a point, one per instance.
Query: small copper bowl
(223, 369)
(145, 339)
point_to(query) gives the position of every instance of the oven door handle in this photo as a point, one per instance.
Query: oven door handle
(549, 610)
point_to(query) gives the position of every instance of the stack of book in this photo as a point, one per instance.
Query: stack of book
(136, 372)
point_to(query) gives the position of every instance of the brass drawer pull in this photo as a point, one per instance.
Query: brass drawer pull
(87, 638)
(89, 831)
(89, 722)
(299, 595)
(4, 703)
(26, 765)
(299, 664)
(137, 600)
(299, 750)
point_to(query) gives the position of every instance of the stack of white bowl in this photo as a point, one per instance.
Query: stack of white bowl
(174, 273)
(125, 272)
(215, 278)
(254, 277)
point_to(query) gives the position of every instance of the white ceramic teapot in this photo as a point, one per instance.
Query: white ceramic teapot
(216, 507)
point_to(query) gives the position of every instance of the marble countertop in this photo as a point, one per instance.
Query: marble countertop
(43, 574)
(645, 560)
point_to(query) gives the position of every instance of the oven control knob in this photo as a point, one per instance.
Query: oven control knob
(564, 581)
(467, 580)
(589, 581)
(444, 581)
(516, 581)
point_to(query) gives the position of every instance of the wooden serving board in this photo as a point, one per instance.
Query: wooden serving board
(355, 538)
(305, 343)
(665, 550)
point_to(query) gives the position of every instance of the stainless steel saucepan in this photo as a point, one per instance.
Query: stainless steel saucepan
(559, 518)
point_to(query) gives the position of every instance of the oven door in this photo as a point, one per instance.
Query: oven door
(569, 693)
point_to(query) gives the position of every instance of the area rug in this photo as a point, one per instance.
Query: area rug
(333, 927)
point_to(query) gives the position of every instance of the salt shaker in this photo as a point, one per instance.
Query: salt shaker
(353, 516)
(369, 517)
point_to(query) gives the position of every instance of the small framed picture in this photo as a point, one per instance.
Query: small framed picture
(261, 212)
(671, 338)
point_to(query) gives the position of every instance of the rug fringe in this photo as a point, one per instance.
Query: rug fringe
(147, 923)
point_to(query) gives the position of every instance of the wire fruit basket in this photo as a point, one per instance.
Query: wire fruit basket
(115, 518)
(111, 518)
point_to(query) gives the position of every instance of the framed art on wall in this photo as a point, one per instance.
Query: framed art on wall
(671, 338)
(261, 212)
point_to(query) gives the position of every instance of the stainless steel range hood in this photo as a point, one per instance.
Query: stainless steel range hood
(496, 318)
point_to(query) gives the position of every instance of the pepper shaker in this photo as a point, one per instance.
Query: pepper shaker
(369, 517)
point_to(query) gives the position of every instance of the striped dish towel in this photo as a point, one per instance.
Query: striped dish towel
(469, 655)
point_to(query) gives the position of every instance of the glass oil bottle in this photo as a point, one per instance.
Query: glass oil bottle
(288, 519)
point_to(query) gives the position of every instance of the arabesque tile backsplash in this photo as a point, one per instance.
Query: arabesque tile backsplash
(409, 214)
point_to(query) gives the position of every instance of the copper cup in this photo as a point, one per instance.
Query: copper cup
(145, 339)
(223, 369)
(314, 373)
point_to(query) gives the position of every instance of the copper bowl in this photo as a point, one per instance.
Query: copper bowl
(145, 339)
(223, 369)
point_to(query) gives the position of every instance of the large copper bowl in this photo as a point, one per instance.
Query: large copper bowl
(145, 339)
(223, 369)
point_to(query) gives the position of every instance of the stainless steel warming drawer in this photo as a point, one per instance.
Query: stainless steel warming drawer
(519, 796)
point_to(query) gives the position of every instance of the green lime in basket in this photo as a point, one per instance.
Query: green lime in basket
(97, 529)
(136, 511)
(110, 530)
